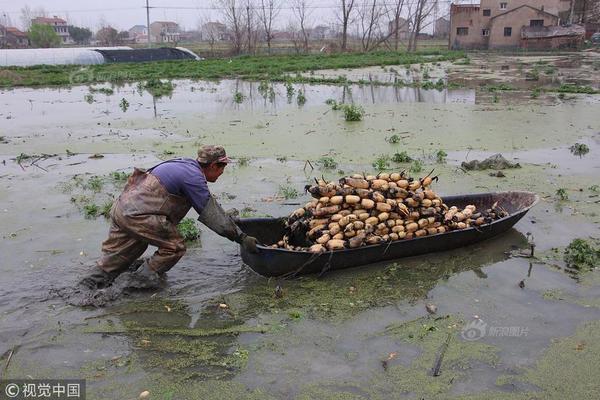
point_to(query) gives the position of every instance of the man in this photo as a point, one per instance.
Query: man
(149, 209)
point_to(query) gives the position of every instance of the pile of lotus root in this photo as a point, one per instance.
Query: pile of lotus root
(364, 210)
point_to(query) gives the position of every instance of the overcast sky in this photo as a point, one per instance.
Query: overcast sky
(123, 14)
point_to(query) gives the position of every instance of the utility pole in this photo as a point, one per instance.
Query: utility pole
(148, 23)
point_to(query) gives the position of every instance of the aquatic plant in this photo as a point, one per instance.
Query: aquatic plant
(440, 156)
(416, 166)
(288, 192)
(119, 176)
(105, 209)
(238, 97)
(90, 211)
(401, 157)
(582, 255)
(562, 194)
(188, 230)
(156, 87)
(535, 93)
(124, 104)
(301, 98)
(88, 98)
(103, 90)
(352, 112)
(394, 139)
(579, 149)
(571, 88)
(382, 162)
(327, 162)
(94, 184)
(243, 161)
(289, 89)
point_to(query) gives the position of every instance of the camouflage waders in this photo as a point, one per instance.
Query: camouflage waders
(144, 214)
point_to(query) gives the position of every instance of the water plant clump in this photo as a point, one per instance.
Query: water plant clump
(88, 98)
(401, 157)
(382, 162)
(394, 139)
(157, 87)
(327, 162)
(416, 166)
(440, 156)
(188, 230)
(238, 97)
(562, 194)
(301, 98)
(352, 112)
(579, 149)
(580, 254)
(124, 104)
(288, 192)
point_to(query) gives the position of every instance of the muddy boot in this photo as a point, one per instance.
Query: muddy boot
(99, 279)
(142, 278)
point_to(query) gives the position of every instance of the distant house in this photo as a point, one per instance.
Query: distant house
(214, 31)
(403, 31)
(552, 37)
(13, 38)
(165, 32)
(138, 30)
(282, 35)
(58, 24)
(493, 24)
(441, 28)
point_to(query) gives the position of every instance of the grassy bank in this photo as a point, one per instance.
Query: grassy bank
(257, 67)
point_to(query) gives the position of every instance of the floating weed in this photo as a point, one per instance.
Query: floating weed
(247, 212)
(88, 98)
(562, 194)
(119, 176)
(327, 162)
(289, 89)
(499, 87)
(582, 255)
(156, 87)
(188, 230)
(571, 88)
(94, 184)
(416, 166)
(579, 149)
(281, 159)
(124, 104)
(288, 192)
(103, 90)
(105, 209)
(535, 93)
(440, 156)
(382, 162)
(91, 211)
(238, 97)
(401, 157)
(394, 139)
(594, 188)
(301, 98)
(352, 112)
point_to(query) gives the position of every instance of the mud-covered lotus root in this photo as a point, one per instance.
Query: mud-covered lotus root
(362, 210)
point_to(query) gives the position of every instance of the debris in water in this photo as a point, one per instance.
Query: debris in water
(497, 161)
(498, 174)
(223, 305)
(144, 394)
(522, 284)
(431, 308)
(96, 156)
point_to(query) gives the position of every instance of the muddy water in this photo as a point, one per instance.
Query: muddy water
(361, 333)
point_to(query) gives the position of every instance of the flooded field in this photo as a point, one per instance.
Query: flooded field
(513, 327)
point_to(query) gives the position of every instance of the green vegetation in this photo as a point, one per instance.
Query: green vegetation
(124, 104)
(91, 211)
(382, 162)
(272, 68)
(582, 255)
(499, 87)
(105, 209)
(334, 104)
(394, 139)
(416, 166)
(289, 89)
(43, 36)
(440, 156)
(352, 112)
(571, 88)
(104, 90)
(301, 98)
(94, 184)
(535, 93)
(88, 98)
(533, 75)
(327, 162)
(401, 157)
(466, 60)
(119, 177)
(579, 149)
(243, 161)
(238, 97)
(188, 230)
(562, 194)
(288, 192)
(594, 188)
(156, 87)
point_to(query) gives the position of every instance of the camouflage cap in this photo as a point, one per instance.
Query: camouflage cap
(210, 153)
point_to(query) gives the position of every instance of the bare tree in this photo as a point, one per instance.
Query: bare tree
(267, 13)
(369, 17)
(423, 9)
(302, 13)
(210, 32)
(345, 17)
(233, 14)
(27, 14)
(394, 10)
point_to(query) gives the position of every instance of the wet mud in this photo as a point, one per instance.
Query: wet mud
(509, 326)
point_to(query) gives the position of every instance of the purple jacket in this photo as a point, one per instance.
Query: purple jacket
(184, 177)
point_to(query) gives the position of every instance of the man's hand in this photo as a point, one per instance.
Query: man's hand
(249, 243)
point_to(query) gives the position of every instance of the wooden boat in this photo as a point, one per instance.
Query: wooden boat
(281, 262)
